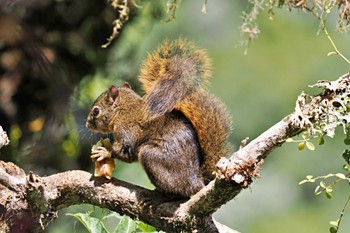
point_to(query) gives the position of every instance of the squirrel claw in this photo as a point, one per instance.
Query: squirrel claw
(100, 154)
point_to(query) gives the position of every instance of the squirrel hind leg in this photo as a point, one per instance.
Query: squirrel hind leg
(169, 177)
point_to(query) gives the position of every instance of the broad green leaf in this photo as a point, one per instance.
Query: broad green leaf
(126, 225)
(112, 214)
(92, 224)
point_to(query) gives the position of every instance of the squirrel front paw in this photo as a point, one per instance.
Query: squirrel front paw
(101, 150)
(100, 153)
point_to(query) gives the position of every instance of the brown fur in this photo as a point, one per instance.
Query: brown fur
(177, 130)
(174, 77)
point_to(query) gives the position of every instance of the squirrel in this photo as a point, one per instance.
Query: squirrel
(177, 130)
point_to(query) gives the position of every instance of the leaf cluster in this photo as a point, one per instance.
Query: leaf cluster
(125, 224)
(325, 186)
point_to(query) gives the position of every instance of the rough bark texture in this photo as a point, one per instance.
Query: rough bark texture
(29, 202)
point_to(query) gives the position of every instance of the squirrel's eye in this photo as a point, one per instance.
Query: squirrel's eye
(95, 111)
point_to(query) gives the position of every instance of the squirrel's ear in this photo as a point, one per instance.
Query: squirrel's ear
(127, 85)
(113, 92)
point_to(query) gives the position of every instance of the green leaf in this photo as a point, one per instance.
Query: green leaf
(303, 182)
(204, 9)
(328, 195)
(113, 214)
(329, 189)
(316, 190)
(91, 224)
(347, 141)
(310, 178)
(310, 145)
(346, 156)
(333, 230)
(346, 167)
(320, 141)
(126, 225)
(289, 140)
(301, 146)
(145, 227)
(341, 176)
(335, 223)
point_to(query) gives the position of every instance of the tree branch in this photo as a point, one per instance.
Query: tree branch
(77, 187)
(45, 195)
(237, 172)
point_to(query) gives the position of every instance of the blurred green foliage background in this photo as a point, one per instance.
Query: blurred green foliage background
(259, 88)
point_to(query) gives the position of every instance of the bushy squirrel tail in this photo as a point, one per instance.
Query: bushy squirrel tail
(174, 77)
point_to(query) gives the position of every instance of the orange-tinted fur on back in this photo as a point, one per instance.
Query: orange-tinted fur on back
(177, 130)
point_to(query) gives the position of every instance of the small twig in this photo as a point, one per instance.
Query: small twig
(333, 44)
(342, 211)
